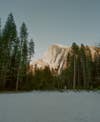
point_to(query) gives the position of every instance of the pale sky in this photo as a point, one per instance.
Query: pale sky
(56, 21)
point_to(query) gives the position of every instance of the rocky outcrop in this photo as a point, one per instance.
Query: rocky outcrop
(56, 58)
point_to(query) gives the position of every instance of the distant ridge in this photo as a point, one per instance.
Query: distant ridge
(56, 58)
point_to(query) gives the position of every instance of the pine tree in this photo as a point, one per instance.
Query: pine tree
(0, 28)
(9, 36)
(0, 55)
(23, 64)
(89, 67)
(97, 67)
(75, 50)
(31, 49)
(83, 65)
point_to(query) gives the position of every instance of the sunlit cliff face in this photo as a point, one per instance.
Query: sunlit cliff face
(56, 58)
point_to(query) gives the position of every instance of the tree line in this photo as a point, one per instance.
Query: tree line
(82, 71)
(16, 51)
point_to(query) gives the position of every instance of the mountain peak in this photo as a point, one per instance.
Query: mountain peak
(56, 58)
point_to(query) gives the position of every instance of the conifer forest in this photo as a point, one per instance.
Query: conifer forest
(17, 50)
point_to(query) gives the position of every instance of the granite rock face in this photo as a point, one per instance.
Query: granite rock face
(56, 58)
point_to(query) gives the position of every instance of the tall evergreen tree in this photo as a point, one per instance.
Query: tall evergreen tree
(31, 49)
(0, 55)
(9, 36)
(89, 67)
(0, 28)
(75, 50)
(97, 67)
(23, 65)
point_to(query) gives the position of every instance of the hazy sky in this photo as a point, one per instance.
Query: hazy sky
(56, 21)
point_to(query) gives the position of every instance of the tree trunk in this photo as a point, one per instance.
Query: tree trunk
(74, 76)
